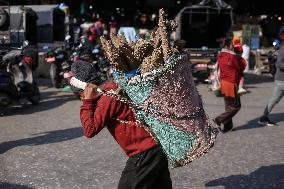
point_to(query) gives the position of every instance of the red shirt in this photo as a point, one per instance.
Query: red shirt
(93, 35)
(105, 112)
(231, 66)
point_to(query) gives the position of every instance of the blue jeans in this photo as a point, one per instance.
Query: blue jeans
(278, 93)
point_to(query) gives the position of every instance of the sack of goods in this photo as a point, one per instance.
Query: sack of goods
(157, 84)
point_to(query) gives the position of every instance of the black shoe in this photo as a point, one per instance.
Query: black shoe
(218, 125)
(228, 127)
(265, 121)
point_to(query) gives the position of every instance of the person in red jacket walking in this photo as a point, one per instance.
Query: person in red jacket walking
(147, 166)
(231, 71)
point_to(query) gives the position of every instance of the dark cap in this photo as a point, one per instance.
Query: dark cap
(228, 42)
(86, 72)
(281, 30)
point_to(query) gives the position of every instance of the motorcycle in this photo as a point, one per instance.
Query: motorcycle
(59, 64)
(17, 81)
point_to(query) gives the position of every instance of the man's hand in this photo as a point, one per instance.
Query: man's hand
(90, 91)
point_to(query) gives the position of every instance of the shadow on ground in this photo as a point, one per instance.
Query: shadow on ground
(251, 78)
(5, 185)
(49, 100)
(252, 124)
(265, 177)
(44, 82)
(43, 138)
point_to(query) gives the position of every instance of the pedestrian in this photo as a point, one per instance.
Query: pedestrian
(147, 166)
(278, 84)
(92, 34)
(99, 26)
(113, 25)
(153, 110)
(246, 55)
(272, 57)
(231, 68)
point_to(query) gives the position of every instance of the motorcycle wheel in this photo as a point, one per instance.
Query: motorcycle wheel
(35, 99)
(54, 74)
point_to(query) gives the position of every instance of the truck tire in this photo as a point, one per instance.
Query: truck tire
(35, 99)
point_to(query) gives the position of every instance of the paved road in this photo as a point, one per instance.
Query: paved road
(42, 147)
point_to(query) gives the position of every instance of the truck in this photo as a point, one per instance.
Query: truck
(16, 26)
(204, 27)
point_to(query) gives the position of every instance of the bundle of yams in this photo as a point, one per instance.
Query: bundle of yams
(149, 55)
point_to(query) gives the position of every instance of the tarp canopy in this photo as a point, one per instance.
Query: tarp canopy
(50, 21)
(214, 4)
(44, 13)
(204, 24)
(161, 3)
(22, 25)
(16, 13)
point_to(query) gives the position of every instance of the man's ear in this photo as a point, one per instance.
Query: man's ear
(82, 95)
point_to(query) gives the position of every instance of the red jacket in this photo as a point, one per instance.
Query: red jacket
(231, 66)
(104, 112)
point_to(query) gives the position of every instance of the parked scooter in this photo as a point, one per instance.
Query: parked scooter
(17, 81)
(59, 64)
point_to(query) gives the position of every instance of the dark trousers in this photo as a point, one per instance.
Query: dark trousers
(232, 106)
(147, 170)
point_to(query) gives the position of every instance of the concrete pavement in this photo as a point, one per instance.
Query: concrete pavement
(43, 147)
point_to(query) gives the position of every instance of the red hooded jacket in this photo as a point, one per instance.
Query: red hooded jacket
(105, 111)
(231, 66)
